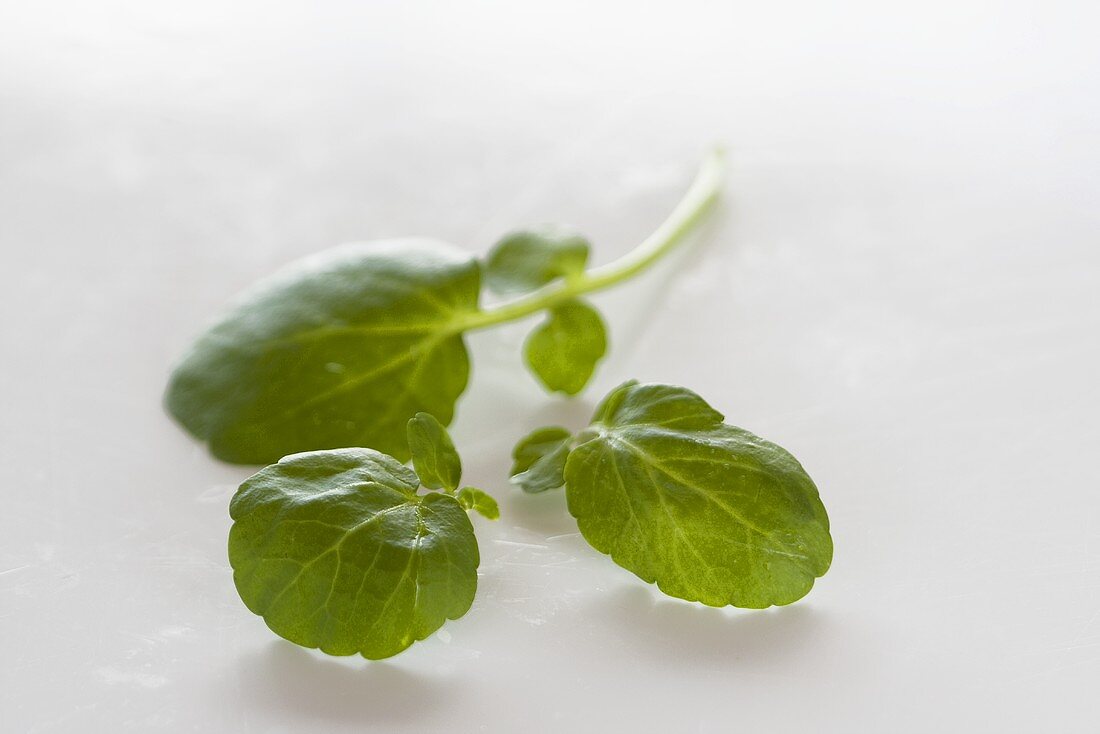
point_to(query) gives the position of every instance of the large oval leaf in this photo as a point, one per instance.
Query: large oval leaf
(335, 550)
(708, 511)
(339, 349)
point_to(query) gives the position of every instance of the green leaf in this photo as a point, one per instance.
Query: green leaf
(523, 261)
(539, 460)
(337, 551)
(536, 445)
(339, 349)
(433, 454)
(563, 350)
(472, 498)
(654, 404)
(708, 511)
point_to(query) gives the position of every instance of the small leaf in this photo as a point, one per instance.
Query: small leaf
(433, 454)
(472, 498)
(539, 460)
(525, 260)
(337, 551)
(338, 349)
(563, 350)
(708, 511)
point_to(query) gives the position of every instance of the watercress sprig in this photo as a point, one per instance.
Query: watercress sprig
(339, 550)
(707, 511)
(342, 348)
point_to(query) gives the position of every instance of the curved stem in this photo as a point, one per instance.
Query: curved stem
(702, 193)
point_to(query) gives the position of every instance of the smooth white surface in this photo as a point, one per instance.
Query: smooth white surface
(901, 288)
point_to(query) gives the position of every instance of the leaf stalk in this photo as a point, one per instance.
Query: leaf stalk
(693, 207)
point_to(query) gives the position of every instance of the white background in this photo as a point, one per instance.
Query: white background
(900, 287)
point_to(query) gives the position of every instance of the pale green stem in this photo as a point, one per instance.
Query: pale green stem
(702, 193)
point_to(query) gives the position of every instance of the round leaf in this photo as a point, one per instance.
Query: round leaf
(335, 550)
(563, 350)
(523, 261)
(707, 511)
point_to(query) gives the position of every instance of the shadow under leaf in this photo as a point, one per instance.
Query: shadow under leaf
(686, 634)
(299, 684)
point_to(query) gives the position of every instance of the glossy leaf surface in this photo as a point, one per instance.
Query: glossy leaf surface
(335, 550)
